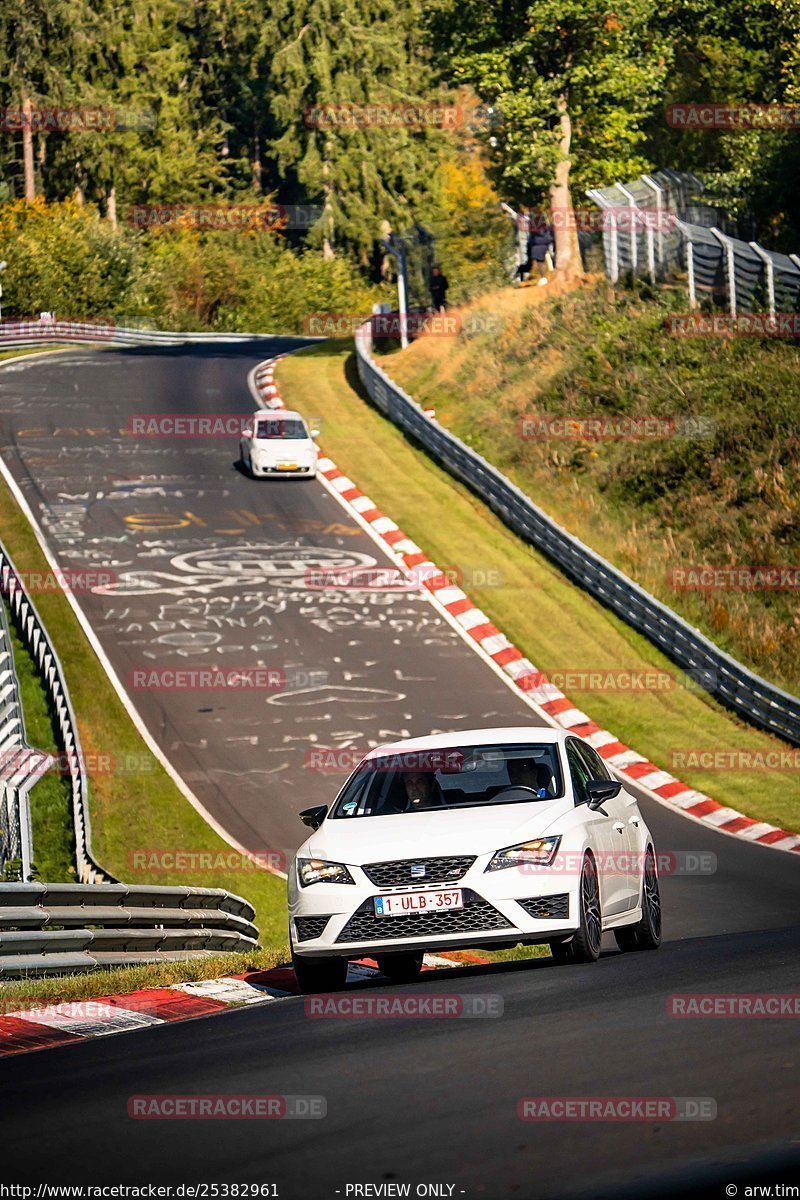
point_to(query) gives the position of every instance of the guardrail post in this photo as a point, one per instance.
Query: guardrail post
(659, 195)
(766, 258)
(633, 210)
(730, 263)
(690, 272)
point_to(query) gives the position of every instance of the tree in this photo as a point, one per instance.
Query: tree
(574, 81)
(331, 58)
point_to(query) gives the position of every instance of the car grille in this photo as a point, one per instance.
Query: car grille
(477, 916)
(310, 927)
(437, 870)
(545, 907)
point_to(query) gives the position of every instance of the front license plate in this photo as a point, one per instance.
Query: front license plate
(287, 466)
(403, 904)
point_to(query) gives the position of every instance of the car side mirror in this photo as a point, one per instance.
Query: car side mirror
(314, 433)
(247, 433)
(314, 817)
(600, 790)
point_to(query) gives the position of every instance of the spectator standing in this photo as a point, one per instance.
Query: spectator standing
(439, 287)
(541, 242)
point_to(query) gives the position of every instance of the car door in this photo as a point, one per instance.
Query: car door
(622, 808)
(606, 832)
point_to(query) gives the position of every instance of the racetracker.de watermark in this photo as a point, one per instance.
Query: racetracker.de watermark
(617, 1108)
(385, 116)
(428, 575)
(237, 217)
(620, 679)
(68, 579)
(63, 329)
(226, 1108)
(207, 679)
(68, 763)
(404, 1006)
(596, 220)
(337, 759)
(619, 862)
(168, 860)
(742, 577)
(760, 325)
(191, 425)
(697, 758)
(708, 115)
(735, 1005)
(392, 325)
(86, 119)
(613, 428)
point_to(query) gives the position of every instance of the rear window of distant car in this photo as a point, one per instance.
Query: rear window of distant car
(278, 429)
(452, 778)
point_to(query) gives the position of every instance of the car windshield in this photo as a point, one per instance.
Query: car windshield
(452, 778)
(280, 430)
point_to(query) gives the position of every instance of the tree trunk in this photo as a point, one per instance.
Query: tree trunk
(568, 255)
(328, 252)
(27, 150)
(257, 180)
(111, 207)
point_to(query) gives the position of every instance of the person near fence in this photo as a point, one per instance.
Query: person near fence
(541, 244)
(439, 286)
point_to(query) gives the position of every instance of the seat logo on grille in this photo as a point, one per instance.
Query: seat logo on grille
(418, 870)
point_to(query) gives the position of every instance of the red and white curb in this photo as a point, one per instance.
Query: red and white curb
(52, 1025)
(544, 697)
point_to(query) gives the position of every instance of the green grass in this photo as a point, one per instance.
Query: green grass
(650, 505)
(52, 826)
(534, 605)
(38, 993)
(5, 354)
(129, 811)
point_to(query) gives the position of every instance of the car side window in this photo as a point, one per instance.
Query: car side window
(579, 773)
(595, 764)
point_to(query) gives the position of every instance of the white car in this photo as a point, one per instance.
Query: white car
(278, 443)
(482, 839)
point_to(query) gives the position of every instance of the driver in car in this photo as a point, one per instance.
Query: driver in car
(524, 772)
(422, 790)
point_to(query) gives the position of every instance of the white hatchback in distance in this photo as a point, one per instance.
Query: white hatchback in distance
(278, 443)
(481, 839)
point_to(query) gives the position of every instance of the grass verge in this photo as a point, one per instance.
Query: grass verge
(38, 993)
(52, 828)
(713, 482)
(526, 596)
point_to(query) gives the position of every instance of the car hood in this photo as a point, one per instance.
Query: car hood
(282, 445)
(358, 840)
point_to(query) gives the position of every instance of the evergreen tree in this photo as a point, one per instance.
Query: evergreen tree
(331, 53)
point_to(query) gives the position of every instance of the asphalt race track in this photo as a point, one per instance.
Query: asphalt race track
(211, 567)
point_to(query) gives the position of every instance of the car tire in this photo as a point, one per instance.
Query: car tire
(646, 933)
(246, 468)
(319, 974)
(584, 946)
(401, 968)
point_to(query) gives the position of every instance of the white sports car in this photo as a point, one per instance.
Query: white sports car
(487, 838)
(278, 443)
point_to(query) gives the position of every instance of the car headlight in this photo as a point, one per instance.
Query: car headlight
(319, 870)
(537, 853)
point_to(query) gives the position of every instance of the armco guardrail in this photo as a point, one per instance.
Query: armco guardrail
(70, 927)
(19, 335)
(34, 635)
(753, 698)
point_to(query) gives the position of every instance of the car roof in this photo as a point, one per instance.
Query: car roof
(523, 734)
(281, 414)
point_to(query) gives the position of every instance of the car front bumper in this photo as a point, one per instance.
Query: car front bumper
(500, 908)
